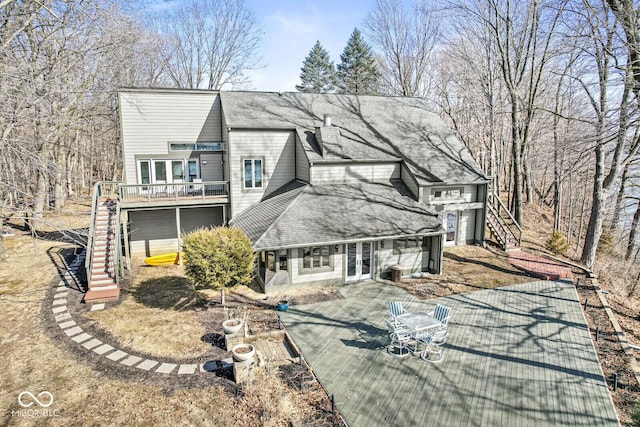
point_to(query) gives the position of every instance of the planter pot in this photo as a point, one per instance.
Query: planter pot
(283, 305)
(232, 326)
(243, 352)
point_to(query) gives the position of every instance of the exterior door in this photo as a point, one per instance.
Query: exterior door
(451, 225)
(359, 256)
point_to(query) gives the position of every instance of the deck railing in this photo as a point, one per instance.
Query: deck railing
(174, 192)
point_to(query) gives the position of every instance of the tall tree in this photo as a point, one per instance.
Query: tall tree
(357, 72)
(317, 72)
(406, 36)
(523, 33)
(211, 43)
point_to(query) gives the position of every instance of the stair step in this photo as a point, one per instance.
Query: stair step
(102, 283)
(102, 295)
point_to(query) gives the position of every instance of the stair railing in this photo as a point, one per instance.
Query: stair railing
(505, 219)
(99, 190)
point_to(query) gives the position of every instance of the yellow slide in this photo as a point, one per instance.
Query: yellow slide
(164, 259)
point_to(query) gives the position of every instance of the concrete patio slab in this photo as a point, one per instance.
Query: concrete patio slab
(518, 355)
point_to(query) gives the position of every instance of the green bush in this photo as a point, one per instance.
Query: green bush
(557, 243)
(635, 417)
(218, 257)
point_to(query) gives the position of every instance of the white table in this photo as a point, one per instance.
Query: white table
(417, 322)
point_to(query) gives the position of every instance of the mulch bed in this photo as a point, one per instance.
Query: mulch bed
(613, 360)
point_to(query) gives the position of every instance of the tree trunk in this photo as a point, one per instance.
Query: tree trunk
(594, 229)
(631, 244)
(516, 161)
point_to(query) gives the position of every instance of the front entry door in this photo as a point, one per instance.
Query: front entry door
(359, 256)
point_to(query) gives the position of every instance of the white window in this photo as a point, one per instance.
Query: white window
(317, 258)
(447, 194)
(252, 173)
(407, 244)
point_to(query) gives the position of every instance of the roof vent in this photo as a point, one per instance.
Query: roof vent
(327, 120)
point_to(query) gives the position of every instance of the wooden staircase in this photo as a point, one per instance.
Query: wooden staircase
(102, 277)
(502, 226)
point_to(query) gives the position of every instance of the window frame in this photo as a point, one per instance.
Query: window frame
(405, 245)
(324, 253)
(253, 186)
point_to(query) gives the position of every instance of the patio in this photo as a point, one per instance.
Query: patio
(518, 355)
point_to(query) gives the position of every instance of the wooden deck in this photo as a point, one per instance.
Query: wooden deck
(518, 355)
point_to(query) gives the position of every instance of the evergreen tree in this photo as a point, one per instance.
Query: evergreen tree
(318, 75)
(357, 71)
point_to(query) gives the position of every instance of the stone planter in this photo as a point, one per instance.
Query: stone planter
(243, 352)
(232, 326)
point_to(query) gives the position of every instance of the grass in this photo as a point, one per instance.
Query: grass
(467, 269)
(164, 302)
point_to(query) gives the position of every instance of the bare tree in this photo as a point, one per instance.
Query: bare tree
(523, 34)
(210, 43)
(406, 37)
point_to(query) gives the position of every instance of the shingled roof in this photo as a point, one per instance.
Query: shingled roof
(301, 214)
(370, 128)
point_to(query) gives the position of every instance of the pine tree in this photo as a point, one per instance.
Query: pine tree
(357, 71)
(318, 75)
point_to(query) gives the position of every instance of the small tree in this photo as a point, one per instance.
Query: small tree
(318, 74)
(557, 243)
(218, 258)
(357, 72)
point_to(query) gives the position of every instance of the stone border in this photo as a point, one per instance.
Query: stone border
(626, 347)
(65, 321)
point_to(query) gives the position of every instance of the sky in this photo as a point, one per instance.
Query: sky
(291, 28)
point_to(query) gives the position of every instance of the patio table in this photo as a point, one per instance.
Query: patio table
(417, 322)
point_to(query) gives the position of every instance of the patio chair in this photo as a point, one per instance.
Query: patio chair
(395, 310)
(442, 313)
(399, 344)
(433, 351)
(394, 327)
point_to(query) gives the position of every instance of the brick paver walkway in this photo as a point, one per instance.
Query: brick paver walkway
(538, 266)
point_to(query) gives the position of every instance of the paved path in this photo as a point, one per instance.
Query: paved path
(516, 356)
(78, 336)
(538, 266)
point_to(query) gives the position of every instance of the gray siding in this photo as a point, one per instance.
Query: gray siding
(154, 232)
(354, 172)
(150, 120)
(411, 262)
(302, 163)
(214, 169)
(277, 151)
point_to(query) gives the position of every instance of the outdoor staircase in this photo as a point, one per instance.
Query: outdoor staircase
(102, 276)
(502, 226)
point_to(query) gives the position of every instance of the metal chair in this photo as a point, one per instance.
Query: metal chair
(433, 351)
(395, 310)
(442, 313)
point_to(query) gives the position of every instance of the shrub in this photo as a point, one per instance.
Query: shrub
(218, 257)
(635, 417)
(557, 243)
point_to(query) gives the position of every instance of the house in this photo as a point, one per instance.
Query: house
(329, 188)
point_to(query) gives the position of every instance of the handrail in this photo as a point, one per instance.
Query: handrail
(98, 191)
(495, 204)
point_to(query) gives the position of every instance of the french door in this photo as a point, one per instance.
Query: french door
(359, 261)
